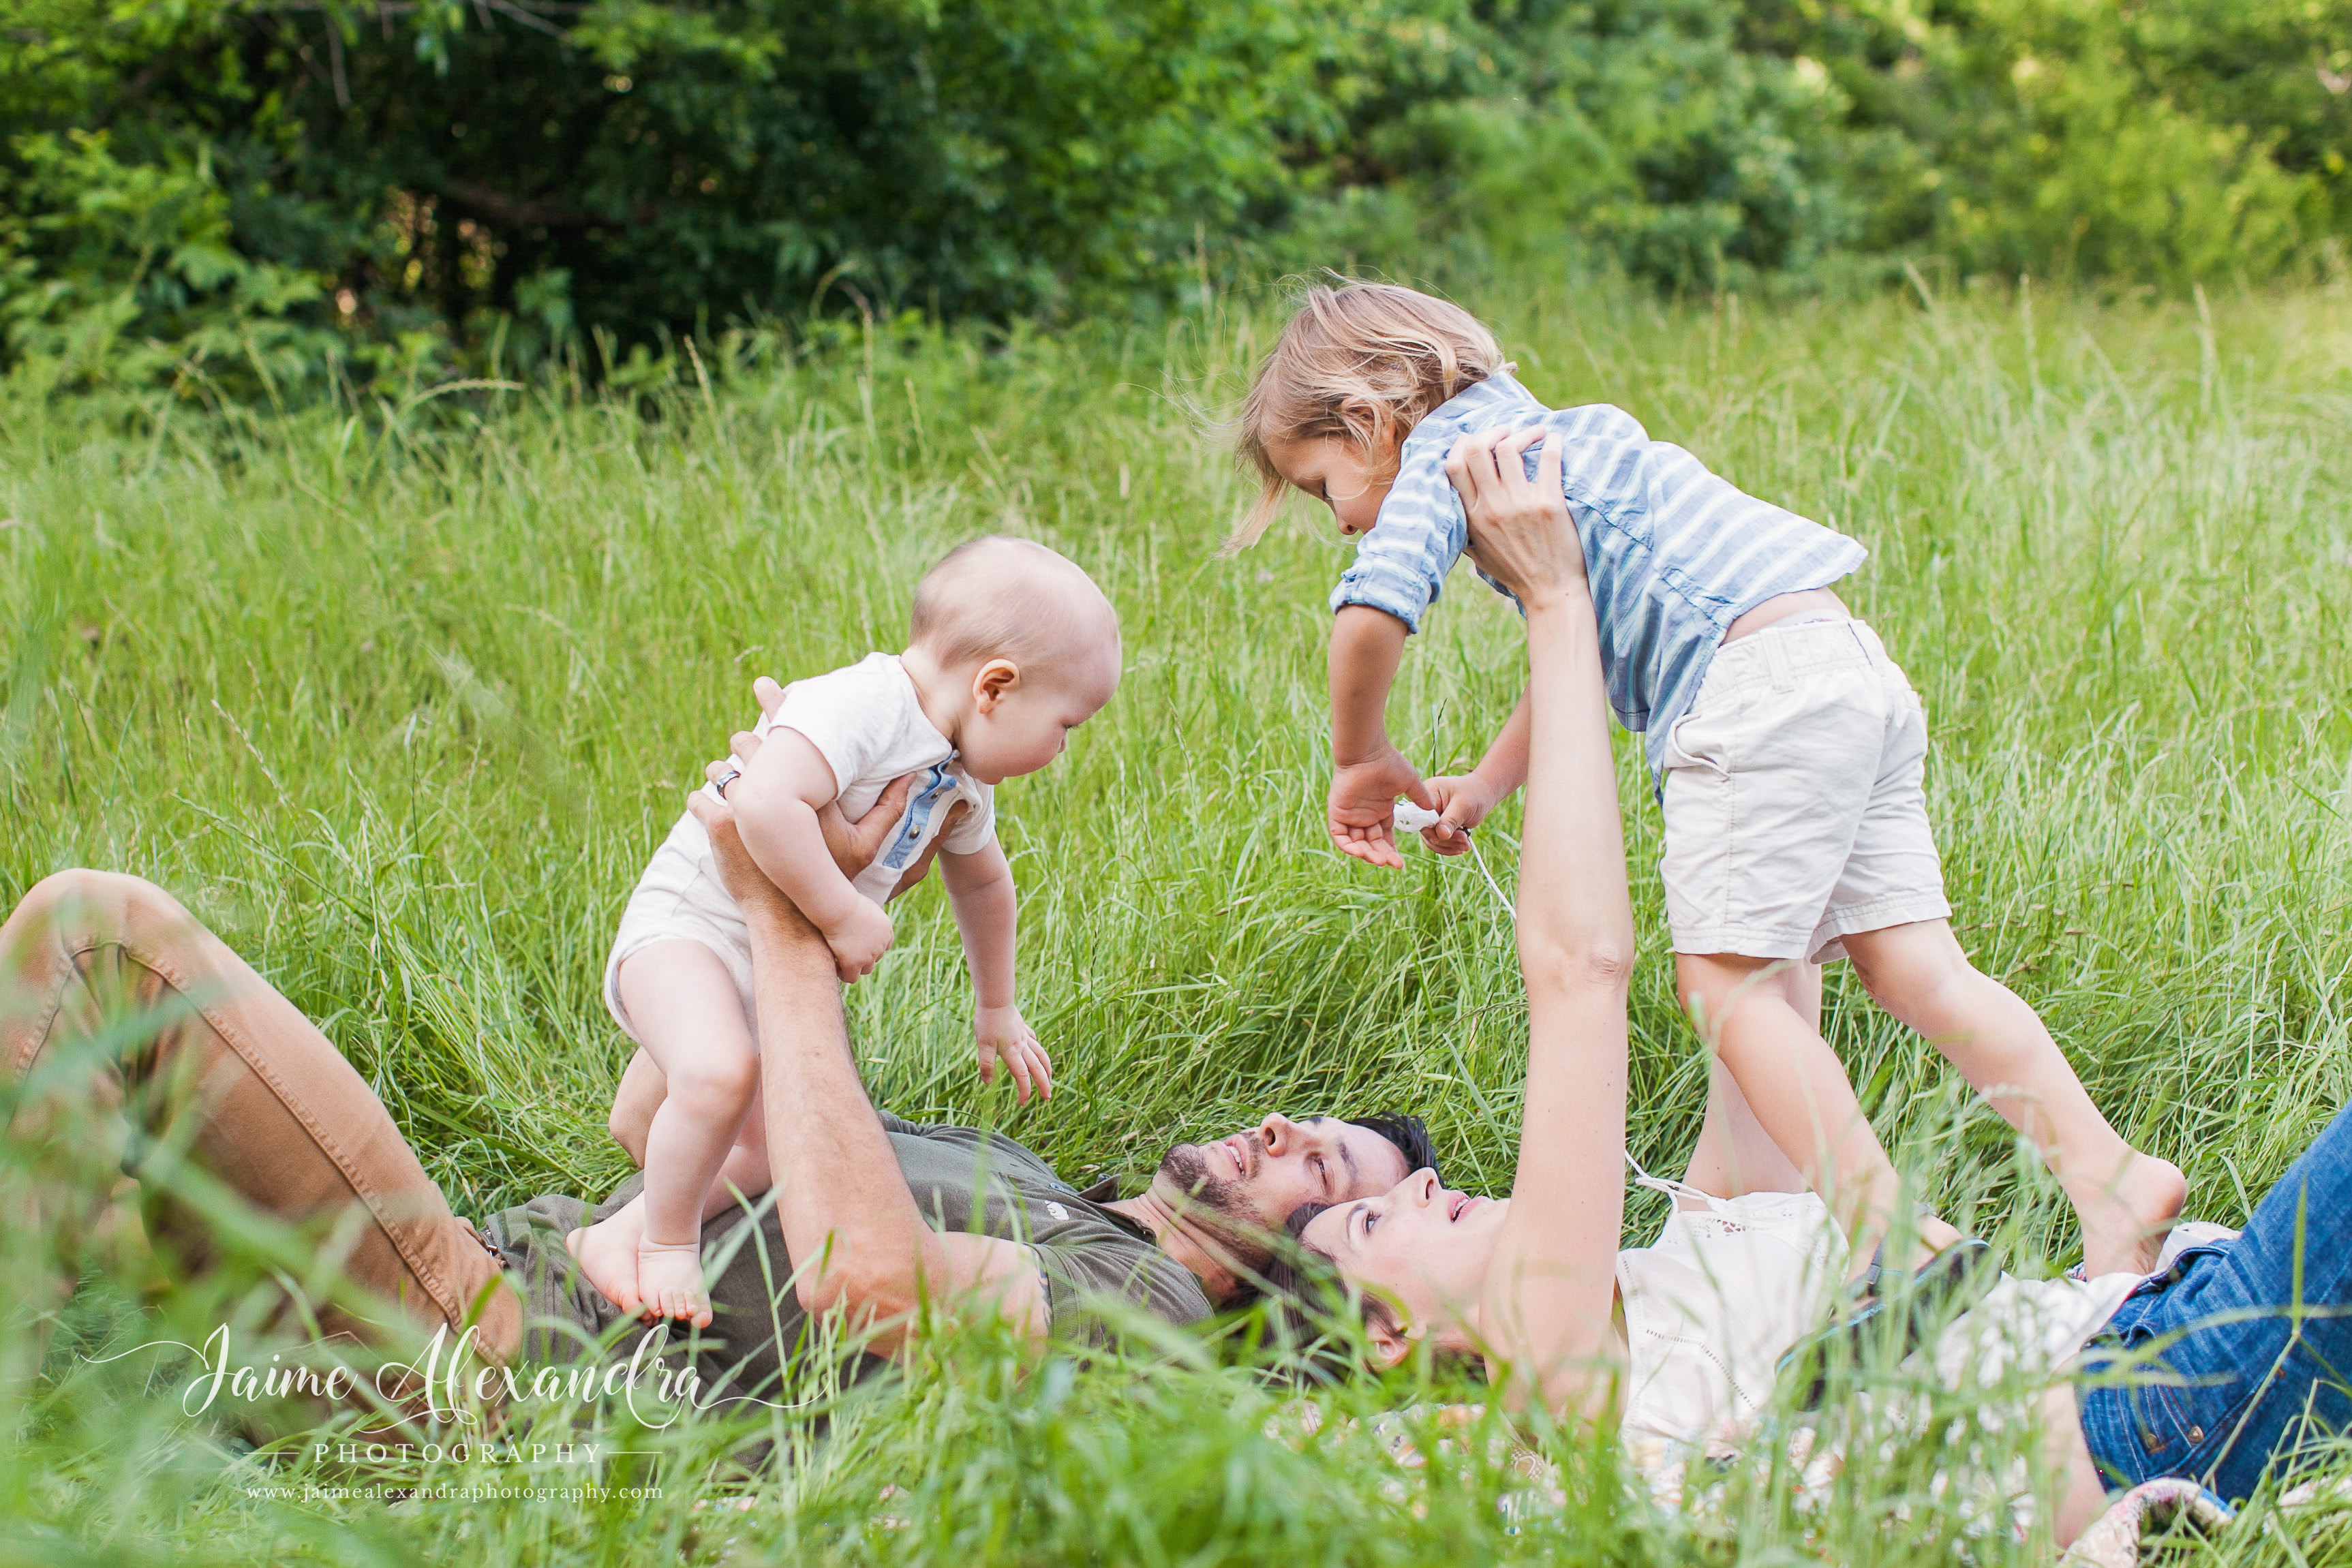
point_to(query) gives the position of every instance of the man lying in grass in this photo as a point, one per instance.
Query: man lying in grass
(133, 1039)
(2225, 1364)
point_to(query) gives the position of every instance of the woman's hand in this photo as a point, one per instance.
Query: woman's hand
(1521, 532)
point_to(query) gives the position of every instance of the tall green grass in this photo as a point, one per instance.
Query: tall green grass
(399, 699)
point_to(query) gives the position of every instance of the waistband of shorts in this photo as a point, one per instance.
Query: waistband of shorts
(1777, 653)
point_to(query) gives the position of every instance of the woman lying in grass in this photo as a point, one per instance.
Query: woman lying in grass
(1682, 1341)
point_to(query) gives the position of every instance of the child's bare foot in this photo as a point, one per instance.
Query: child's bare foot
(669, 1276)
(608, 1253)
(2125, 1220)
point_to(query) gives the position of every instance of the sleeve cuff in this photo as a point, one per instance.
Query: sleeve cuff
(1405, 598)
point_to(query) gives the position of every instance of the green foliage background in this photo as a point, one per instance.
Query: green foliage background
(252, 198)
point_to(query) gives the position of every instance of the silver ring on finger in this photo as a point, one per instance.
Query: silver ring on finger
(732, 775)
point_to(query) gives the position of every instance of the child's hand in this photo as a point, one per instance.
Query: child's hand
(1361, 810)
(1003, 1033)
(1462, 802)
(859, 942)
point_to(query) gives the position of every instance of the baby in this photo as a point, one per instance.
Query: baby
(1012, 647)
(1786, 749)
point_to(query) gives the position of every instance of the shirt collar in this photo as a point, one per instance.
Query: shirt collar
(954, 758)
(1470, 407)
(1496, 391)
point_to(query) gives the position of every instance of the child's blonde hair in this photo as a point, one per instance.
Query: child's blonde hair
(1363, 362)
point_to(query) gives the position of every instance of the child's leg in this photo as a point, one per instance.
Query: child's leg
(612, 1242)
(1762, 1019)
(2127, 1199)
(1772, 777)
(690, 1017)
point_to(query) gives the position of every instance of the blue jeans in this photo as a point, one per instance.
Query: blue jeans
(2242, 1350)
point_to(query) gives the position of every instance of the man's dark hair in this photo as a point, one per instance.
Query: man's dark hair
(1409, 1136)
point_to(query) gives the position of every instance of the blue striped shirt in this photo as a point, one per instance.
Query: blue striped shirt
(1674, 554)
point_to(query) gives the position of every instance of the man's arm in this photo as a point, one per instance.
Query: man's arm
(851, 1227)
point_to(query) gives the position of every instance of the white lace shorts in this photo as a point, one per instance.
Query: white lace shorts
(1794, 804)
(680, 896)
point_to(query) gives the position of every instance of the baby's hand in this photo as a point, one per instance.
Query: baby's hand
(1462, 802)
(1003, 1033)
(859, 942)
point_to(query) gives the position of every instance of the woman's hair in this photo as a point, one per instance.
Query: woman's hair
(1365, 362)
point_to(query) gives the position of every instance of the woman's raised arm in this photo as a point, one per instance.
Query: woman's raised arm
(1546, 1304)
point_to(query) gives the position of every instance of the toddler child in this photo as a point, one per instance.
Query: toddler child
(1012, 647)
(1786, 748)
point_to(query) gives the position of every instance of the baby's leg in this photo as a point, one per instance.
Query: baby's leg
(690, 1020)
(1758, 1015)
(643, 1089)
(1770, 777)
(2127, 1199)
(745, 1170)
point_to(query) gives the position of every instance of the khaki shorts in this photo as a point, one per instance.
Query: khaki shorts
(1795, 815)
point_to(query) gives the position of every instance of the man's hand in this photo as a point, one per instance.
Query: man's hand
(853, 845)
(1462, 801)
(1003, 1033)
(1361, 810)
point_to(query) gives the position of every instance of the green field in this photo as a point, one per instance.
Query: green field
(400, 698)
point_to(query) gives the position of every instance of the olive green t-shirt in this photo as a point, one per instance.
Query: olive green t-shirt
(962, 1180)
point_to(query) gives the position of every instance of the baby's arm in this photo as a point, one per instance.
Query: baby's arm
(1368, 772)
(1463, 800)
(776, 801)
(979, 890)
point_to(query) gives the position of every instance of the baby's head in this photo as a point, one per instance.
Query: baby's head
(1352, 373)
(1024, 646)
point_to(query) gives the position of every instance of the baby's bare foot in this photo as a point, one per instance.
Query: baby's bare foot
(608, 1253)
(670, 1279)
(2125, 1220)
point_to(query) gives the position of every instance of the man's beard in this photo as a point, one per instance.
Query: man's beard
(1224, 1201)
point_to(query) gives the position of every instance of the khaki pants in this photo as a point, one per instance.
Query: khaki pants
(129, 1030)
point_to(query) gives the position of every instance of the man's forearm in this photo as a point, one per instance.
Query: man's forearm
(837, 1181)
(1367, 646)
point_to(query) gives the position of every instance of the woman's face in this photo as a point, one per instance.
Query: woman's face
(1422, 1246)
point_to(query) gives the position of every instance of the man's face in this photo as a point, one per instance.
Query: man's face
(1252, 1180)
